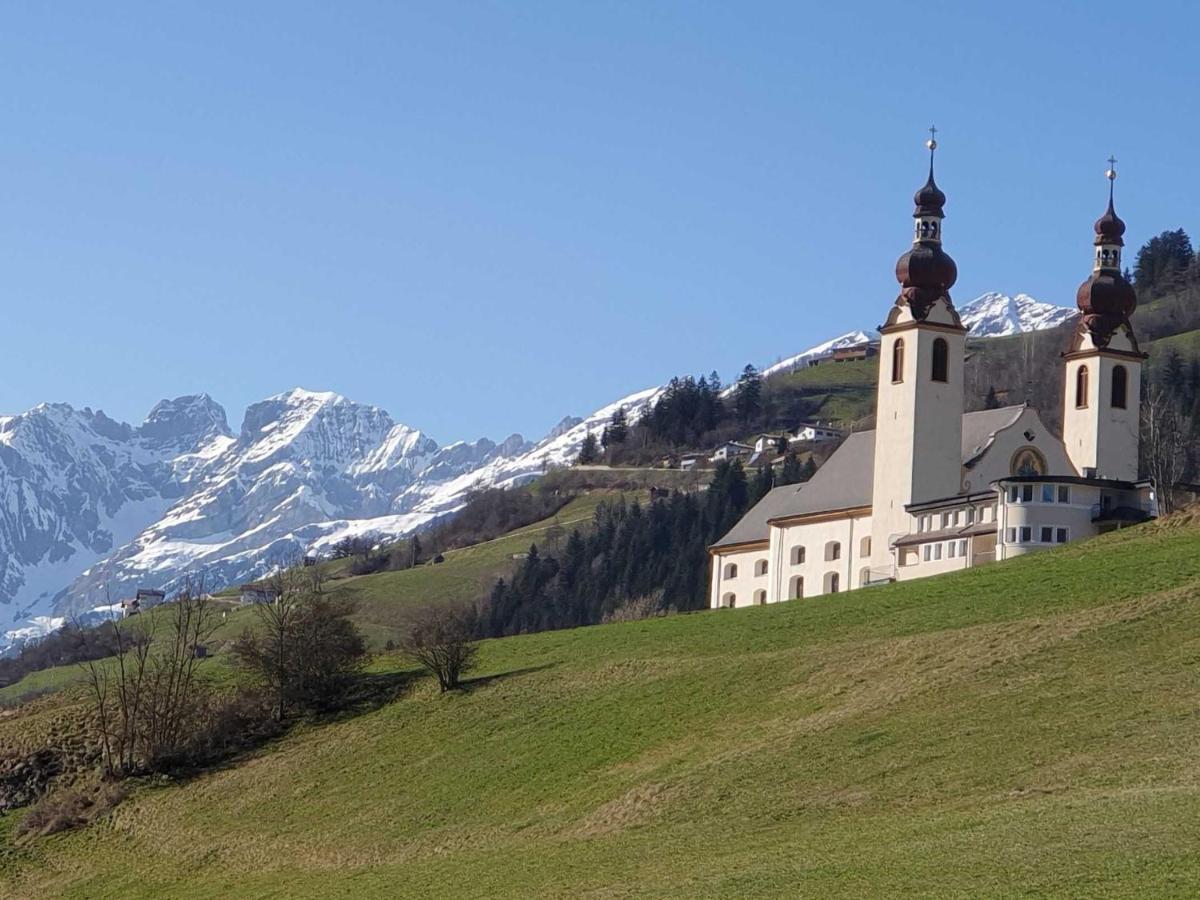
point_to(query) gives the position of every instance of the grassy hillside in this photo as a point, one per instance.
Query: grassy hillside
(1024, 729)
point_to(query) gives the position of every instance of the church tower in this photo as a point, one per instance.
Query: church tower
(919, 399)
(1101, 398)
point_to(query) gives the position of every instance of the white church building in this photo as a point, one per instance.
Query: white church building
(933, 489)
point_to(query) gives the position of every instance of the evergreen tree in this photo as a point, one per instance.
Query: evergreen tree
(791, 472)
(618, 428)
(764, 480)
(1163, 260)
(589, 452)
(747, 394)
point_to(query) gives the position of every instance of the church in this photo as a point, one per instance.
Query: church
(933, 489)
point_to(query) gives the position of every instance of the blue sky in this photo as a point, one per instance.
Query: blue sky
(485, 216)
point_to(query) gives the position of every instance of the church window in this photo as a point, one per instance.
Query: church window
(1012, 493)
(970, 515)
(1047, 493)
(731, 570)
(1060, 536)
(832, 582)
(1064, 493)
(864, 547)
(941, 360)
(833, 550)
(797, 556)
(1120, 381)
(1081, 387)
(760, 567)
(1026, 534)
(898, 361)
(864, 577)
(945, 520)
(1047, 534)
(796, 589)
(1027, 493)
(760, 598)
(730, 601)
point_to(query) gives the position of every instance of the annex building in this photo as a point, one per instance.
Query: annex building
(933, 489)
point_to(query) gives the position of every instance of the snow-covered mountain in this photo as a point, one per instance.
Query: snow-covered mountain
(997, 315)
(91, 508)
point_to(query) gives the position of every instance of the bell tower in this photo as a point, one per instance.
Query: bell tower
(919, 397)
(1101, 396)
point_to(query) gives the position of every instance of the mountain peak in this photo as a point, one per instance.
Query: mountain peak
(184, 423)
(997, 315)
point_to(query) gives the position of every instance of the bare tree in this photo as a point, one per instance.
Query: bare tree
(441, 638)
(1164, 445)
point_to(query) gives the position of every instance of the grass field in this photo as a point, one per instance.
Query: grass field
(1025, 729)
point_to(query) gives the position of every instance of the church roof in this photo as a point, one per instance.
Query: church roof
(845, 480)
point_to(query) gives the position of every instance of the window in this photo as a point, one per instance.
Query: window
(1027, 493)
(864, 547)
(970, 515)
(1026, 534)
(928, 552)
(1060, 536)
(1064, 493)
(1081, 387)
(1047, 534)
(1011, 536)
(1047, 493)
(731, 571)
(1120, 379)
(945, 520)
(941, 360)
(898, 361)
(937, 551)
(796, 588)
(962, 547)
(797, 556)
(1012, 493)
(730, 601)
(832, 582)
(833, 550)
(952, 550)
(760, 598)
(760, 567)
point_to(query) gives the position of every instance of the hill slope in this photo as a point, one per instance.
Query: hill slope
(1025, 728)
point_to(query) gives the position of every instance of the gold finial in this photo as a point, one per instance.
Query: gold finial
(932, 142)
(1111, 174)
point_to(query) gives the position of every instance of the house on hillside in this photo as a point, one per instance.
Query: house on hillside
(935, 489)
(257, 592)
(852, 353)
(731, 450)
(690, 461)
(811, 432)
(144, 599)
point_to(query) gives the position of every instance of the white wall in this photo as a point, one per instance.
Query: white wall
(1100, 436)
(744, 585)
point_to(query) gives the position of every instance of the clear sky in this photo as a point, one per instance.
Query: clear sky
(486, 216)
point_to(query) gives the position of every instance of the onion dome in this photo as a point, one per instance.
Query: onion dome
(926, 272)
(1106, 300)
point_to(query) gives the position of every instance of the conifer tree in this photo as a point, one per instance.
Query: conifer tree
(618, 428)
(589, 452)
(764, 480)
(791, 472)
(747, 395)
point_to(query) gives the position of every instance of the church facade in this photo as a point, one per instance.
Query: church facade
(933, 489)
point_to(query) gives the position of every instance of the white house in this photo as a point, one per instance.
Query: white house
(813, 433)
(731, 450)
(933, 489)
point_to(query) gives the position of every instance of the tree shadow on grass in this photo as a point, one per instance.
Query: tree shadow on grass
(470, 684)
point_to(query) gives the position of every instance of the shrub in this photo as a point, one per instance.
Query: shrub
(69, 808)
(441, 638)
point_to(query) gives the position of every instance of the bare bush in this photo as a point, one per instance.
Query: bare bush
(306, 649)
(69, 808)
(442, 639)
(636, 609)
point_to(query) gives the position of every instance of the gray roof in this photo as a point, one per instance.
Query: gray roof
(753, 525)
(845, 480)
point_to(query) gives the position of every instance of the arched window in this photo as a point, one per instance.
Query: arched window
(760, 567)
(898, 361)
(797, 556)
(1120, 384)
(760, 598)
(729, 600)
(832, 582)
(864, 577)
(1027, 461)
(731, 570)
(833, 550)
(796, 588)
(941, 360)
(1081, 387)
(864, 547)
